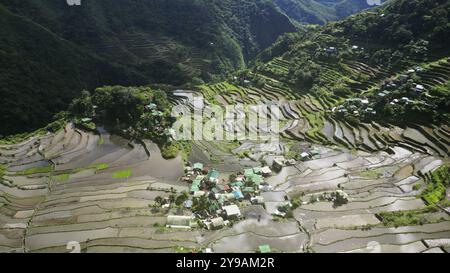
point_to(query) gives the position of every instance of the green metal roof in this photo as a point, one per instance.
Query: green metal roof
(195, 188)
(257, 179)
(248, 172)
(198, 166)
(237, 184)
(213, 174)
(196, 182)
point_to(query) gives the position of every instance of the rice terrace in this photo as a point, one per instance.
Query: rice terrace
(92, 163)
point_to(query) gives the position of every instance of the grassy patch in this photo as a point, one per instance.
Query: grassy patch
(62, 177)
(100, 141)
(122, 174)
(2, 170)
(173, 149)
(182, 249)
(407, 218)
(100, 166)
(371, 173)
(437, 185)
(36, 170)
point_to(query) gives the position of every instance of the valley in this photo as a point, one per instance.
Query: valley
(360, 163)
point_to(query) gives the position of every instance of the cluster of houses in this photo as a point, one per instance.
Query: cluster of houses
(330, 51)
(215, 200)
(365, 106)
(278, 162)
(402, 82)
(355, 106)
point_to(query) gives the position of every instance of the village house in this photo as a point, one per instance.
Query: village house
(266, 171)
(265, 187)
(257, 200)
(223, 194)
(213, 176)
(198, 167)
(305, 156)
(217, 223)
(419, 88)
(232, 211)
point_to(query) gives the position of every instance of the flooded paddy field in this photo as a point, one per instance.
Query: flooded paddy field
(68, 186)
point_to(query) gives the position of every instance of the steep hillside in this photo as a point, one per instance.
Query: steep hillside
(40, 73)
(51, 51)
(321, 11)
(307, 11)
(188, 37)
(376, 80)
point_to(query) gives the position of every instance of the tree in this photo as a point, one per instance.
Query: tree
(181, 198)
(82, 106)
(402, 35)
(158, 200)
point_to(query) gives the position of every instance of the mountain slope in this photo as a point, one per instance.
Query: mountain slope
(321, 11)
(40, 73)
(51, 51)
(373, 80)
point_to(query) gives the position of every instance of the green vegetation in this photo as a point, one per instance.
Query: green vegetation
(371, 173)
(173, 149)
(320, 11)
(437, 184)
(2, 170)
(15, 139)
(41, 73)
(183, 249)
(101, 141)
(434, 194)
(134, 112)
(51, 51)
(61, 177)
(36, 170)
(100, 166)
(408, 218)
(354, 58)
(122, 174)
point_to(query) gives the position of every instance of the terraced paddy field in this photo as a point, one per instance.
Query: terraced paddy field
(70, 186)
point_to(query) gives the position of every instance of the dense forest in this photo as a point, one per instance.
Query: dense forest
(51, 51)
(321, 11)
(397, 36)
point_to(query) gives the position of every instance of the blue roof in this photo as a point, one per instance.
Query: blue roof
(238, 194)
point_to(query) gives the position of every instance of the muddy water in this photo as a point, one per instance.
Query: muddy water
(37, 164)
(156, 166)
